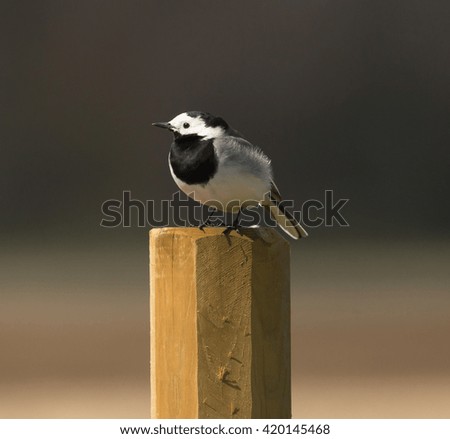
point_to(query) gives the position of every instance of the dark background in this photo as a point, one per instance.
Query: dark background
(351, 96)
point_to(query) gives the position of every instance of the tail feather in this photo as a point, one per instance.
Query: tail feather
(286, 221)
(283, 217)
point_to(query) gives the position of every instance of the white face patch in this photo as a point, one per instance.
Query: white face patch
(185, 125)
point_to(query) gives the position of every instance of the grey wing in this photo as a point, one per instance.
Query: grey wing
(245, 157)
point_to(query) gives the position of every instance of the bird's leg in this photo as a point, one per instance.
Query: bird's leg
(207, 222)
(234, 226)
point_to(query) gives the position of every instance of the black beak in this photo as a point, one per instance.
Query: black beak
(165, 125)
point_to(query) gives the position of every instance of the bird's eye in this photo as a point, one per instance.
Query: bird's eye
(186, 125)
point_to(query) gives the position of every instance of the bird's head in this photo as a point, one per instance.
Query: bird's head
(195, 123)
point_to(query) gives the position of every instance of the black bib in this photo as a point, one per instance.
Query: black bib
(193, 160)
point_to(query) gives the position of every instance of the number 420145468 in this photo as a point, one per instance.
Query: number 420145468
(296, 429)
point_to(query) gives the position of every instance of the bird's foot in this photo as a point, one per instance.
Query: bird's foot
(229, 229)
(210, 223)
(234, 226)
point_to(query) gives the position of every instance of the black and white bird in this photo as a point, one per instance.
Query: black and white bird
(213, 164)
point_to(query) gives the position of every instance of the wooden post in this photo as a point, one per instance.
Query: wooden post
(220, 324)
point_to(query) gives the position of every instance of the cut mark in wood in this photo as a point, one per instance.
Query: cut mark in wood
(223, 375)
(234, 410)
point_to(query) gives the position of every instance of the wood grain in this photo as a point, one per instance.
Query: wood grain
(220, 324)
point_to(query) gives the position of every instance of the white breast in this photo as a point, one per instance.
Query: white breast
(230, 189)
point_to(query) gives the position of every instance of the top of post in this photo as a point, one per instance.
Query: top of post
(268, 235)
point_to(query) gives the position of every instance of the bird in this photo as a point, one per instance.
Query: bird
(216, 166)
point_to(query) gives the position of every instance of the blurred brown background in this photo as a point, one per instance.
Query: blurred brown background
(351, 96)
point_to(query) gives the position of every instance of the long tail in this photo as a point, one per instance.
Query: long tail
(283, 217)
